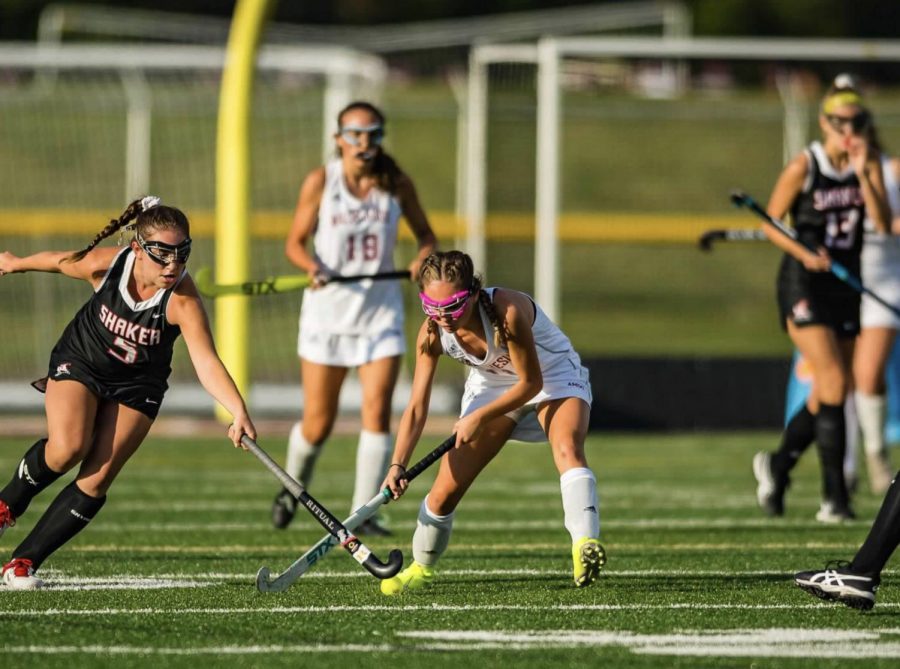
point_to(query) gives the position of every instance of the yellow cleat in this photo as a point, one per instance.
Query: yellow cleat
(414, 577)
(588, 558)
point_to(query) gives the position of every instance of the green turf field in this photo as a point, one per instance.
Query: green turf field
(696, 576)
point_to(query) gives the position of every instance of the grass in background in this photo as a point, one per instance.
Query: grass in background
(164, 576)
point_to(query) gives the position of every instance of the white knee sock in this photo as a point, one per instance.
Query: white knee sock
(579, 498)
(372, 459)
(301, 456)
(431, 536)
(872, 412)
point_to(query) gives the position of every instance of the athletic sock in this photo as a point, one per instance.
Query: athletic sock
(432, 535)
(883, 537)
(372, 457)
(301, 456)
(851, 418)
(66, 516)
(798, 435)
(31, 477)
(579, 499)
(871, 411)
(831, 436)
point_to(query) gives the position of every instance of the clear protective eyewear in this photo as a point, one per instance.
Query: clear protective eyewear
(165, 254)
(453, 306)
(351, 134)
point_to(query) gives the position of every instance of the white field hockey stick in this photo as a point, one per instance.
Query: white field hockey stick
(301, 565)
(336, 530)
(741, 199)
(277, 284)
(706, 240)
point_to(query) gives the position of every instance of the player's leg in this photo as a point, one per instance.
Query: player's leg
(565, 421)
(119, 432)
(873, 348)
(378, 379)
(829, 358)
(71, 410)
(459, 468)
(321, 390)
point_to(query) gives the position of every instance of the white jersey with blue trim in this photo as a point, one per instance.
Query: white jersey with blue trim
(354, 236)
(558, 359)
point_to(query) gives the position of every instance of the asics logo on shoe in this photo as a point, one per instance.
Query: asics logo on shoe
(24, 474)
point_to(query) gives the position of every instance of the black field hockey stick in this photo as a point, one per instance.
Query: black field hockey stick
(708, 238)
(351, 544)
(304, 563)
(741, 199)
(278, 284)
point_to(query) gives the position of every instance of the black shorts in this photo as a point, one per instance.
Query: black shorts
(135, 393)
(816, 298)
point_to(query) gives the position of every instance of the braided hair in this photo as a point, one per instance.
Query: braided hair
(145, 216)
(456, 267)
(385, 170)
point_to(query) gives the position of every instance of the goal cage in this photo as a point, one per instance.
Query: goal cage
(86, 128)
(599, 161)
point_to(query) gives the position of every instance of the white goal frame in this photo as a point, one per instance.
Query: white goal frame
(548, 55)
(345, 71)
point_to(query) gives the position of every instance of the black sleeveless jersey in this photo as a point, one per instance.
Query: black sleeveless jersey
(118, 339)
(830, 209)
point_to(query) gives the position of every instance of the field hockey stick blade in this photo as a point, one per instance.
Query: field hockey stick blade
(281, 582)
(360, 552)
(705, 242)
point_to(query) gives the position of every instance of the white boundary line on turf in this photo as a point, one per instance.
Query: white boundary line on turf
(495, 525)
(59, 576)
(378, 608)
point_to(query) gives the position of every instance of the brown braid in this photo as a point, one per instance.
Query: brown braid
(499, 328)
(385, 169)
(456, 267)
(159, 217)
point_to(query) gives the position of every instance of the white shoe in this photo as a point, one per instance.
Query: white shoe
(18, 574)
(831, 513)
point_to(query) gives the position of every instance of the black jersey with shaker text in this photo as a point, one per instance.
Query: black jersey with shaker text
(119, 339)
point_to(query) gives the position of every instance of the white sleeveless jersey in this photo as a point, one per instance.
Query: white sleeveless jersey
(354, 236)
(881, 261)
(559, 361)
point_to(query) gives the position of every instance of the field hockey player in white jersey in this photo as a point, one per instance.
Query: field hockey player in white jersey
(525, 382)
(351, 208)
(879, 326)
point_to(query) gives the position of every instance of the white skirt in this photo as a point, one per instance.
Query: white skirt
(340, 350)
(881, 275)
(572, 384)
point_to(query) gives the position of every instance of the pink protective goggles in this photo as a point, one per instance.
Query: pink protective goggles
(453, 306)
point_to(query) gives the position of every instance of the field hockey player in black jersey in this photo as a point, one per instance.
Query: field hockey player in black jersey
(108, 374)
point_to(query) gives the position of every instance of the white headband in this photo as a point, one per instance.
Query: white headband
(149, 202)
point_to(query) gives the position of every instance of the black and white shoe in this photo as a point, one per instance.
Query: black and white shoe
(837, 583)
(769, 490)
(283, 509)
(373, 528)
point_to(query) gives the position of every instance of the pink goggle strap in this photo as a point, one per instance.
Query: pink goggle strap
(453, 306)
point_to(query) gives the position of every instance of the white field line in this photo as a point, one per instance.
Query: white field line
(772, 642)
(496, 525)
(238, 549)
(201, 578)
(379, 608)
